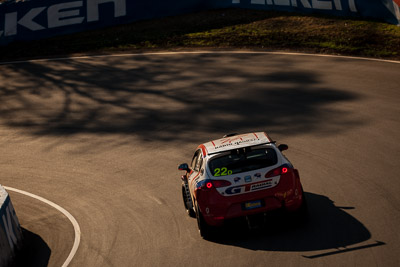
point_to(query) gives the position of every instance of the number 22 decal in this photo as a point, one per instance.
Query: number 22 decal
(222, 171)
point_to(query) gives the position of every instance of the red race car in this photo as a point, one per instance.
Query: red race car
(239, 176)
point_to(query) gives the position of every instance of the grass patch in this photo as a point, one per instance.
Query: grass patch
(226, 28)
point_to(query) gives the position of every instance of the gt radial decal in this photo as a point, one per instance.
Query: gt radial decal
(233, 190)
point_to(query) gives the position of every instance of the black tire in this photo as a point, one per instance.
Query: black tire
(204, 228)
(189, 210)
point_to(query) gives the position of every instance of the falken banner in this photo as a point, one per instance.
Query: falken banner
(387, 10)
(37, 19)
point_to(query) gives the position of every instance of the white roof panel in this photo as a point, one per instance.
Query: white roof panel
(237, 141)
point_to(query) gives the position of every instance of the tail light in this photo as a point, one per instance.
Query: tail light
(208, 184)
(220, 183)
(279, 171)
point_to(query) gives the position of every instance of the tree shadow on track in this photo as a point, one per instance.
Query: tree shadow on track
(328, 227)
(163, 97)
(34, 252)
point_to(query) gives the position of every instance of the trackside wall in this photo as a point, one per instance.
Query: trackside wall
(37, 19)
(10, 230)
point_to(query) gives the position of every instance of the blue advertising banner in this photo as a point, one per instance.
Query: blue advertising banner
(37, 19)
(386, 10)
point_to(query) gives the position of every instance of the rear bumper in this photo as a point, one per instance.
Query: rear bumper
(287, 195)
(217, 217)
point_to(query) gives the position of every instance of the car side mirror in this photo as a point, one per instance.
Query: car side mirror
(283, 147)
(184, 167)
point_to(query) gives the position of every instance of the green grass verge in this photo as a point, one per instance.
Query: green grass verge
(226, 28)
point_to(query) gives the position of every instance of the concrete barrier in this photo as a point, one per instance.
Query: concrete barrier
(10, 230)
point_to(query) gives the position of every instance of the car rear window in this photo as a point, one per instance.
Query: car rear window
(243, 161)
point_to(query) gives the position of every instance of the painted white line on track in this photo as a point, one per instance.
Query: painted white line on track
(197, 52)
(63, 211)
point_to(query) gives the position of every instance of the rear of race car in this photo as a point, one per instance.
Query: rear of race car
(262, 180)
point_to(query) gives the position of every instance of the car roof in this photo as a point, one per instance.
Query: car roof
(235, 142)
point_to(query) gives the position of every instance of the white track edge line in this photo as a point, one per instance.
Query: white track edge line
(63, 211)
(197, 52)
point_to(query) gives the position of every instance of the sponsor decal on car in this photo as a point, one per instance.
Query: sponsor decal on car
(257, 175)
(249, 187)
(237, 179)
(236, 142)
(247, 179)
(265, 184)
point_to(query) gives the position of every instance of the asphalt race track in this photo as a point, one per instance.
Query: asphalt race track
(102, 137)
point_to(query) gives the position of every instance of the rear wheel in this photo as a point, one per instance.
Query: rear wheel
(187, 201)
(204, 228)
